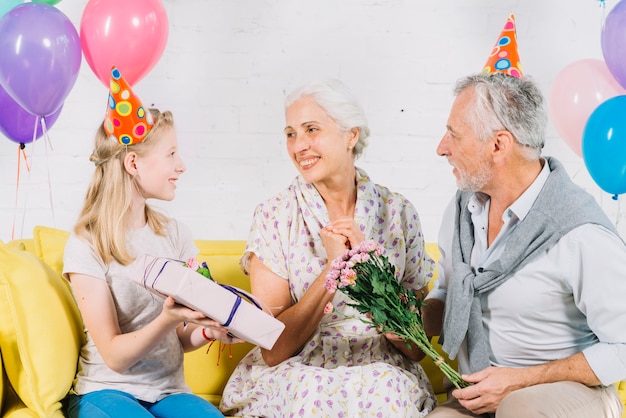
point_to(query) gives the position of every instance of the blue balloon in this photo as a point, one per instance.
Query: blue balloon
(6, 5)
(604, 145)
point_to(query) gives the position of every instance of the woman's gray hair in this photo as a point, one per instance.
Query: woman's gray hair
(504, 102)
(340, 104)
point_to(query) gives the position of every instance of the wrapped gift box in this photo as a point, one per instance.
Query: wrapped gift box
(166, 277)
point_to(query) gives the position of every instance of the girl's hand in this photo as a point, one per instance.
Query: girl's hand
(177, 313)
(221, 334)
(180, 313)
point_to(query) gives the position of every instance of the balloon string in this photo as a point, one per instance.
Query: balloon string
(28, 178)
(45, 133)
(49, 144)
(28, 181)
(619, 212)
(22, 146)
(20, 153)
(602, 5)
(17, 188)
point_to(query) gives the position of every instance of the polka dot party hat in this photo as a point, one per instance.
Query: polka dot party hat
(126, 120)
(504, 57)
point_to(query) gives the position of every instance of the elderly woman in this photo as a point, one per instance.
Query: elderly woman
(328, 364)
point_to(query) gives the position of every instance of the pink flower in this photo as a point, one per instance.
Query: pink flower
(333, 274)
(330, 284)
(328, 308)
(368, 246)
(348, 278)
(359, 258)
(192, 263)
(337, 264)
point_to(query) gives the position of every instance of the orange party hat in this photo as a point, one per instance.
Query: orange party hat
(504, 57)
(126, 120)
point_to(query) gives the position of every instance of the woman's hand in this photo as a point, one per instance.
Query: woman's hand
(335, 244)
(412, 352)
(340, 235)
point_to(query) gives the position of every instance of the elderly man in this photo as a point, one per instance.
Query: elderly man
(532, 286)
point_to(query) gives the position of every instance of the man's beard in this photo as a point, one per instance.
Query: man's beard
(477, 181)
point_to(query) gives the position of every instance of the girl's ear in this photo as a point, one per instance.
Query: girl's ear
(130, 163)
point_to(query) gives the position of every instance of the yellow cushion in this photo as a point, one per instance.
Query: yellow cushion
(621, 389)
(49, 246)
(206, 375)
(15, 408)
(2, 378)
(222, 258)
(16, 244)
(40, 331)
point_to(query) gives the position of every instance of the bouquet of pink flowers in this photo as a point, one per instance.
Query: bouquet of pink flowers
(366, 276)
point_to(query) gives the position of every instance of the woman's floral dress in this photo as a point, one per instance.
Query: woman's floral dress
(346, 369)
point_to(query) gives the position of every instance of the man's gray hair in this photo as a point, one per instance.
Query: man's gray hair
(504, 102)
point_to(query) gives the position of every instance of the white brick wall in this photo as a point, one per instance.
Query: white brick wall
(228, 65)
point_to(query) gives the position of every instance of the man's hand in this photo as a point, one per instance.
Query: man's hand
(489, 387)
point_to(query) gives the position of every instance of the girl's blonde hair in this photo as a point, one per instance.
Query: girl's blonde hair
(104, 217)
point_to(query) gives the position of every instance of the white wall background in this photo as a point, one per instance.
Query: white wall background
(228, 65)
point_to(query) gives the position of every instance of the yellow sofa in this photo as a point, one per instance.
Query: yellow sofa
(41, 330)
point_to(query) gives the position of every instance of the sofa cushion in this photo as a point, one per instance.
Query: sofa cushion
(49, 246)
(40, 331)
(15, 408)
(2, 378)
(621, 390)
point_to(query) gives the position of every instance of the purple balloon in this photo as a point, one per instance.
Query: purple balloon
(613, 42)
(17, 124)
(41, 54)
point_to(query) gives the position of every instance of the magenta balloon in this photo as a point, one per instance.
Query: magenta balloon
(128, 34)
(577, 91)
(17, 124)
(613, 41)
(41, 54)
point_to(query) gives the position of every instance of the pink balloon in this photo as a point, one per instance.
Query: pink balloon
(577, 91)
(128, 34)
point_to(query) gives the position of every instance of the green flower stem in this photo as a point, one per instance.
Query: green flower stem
(417, 336)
